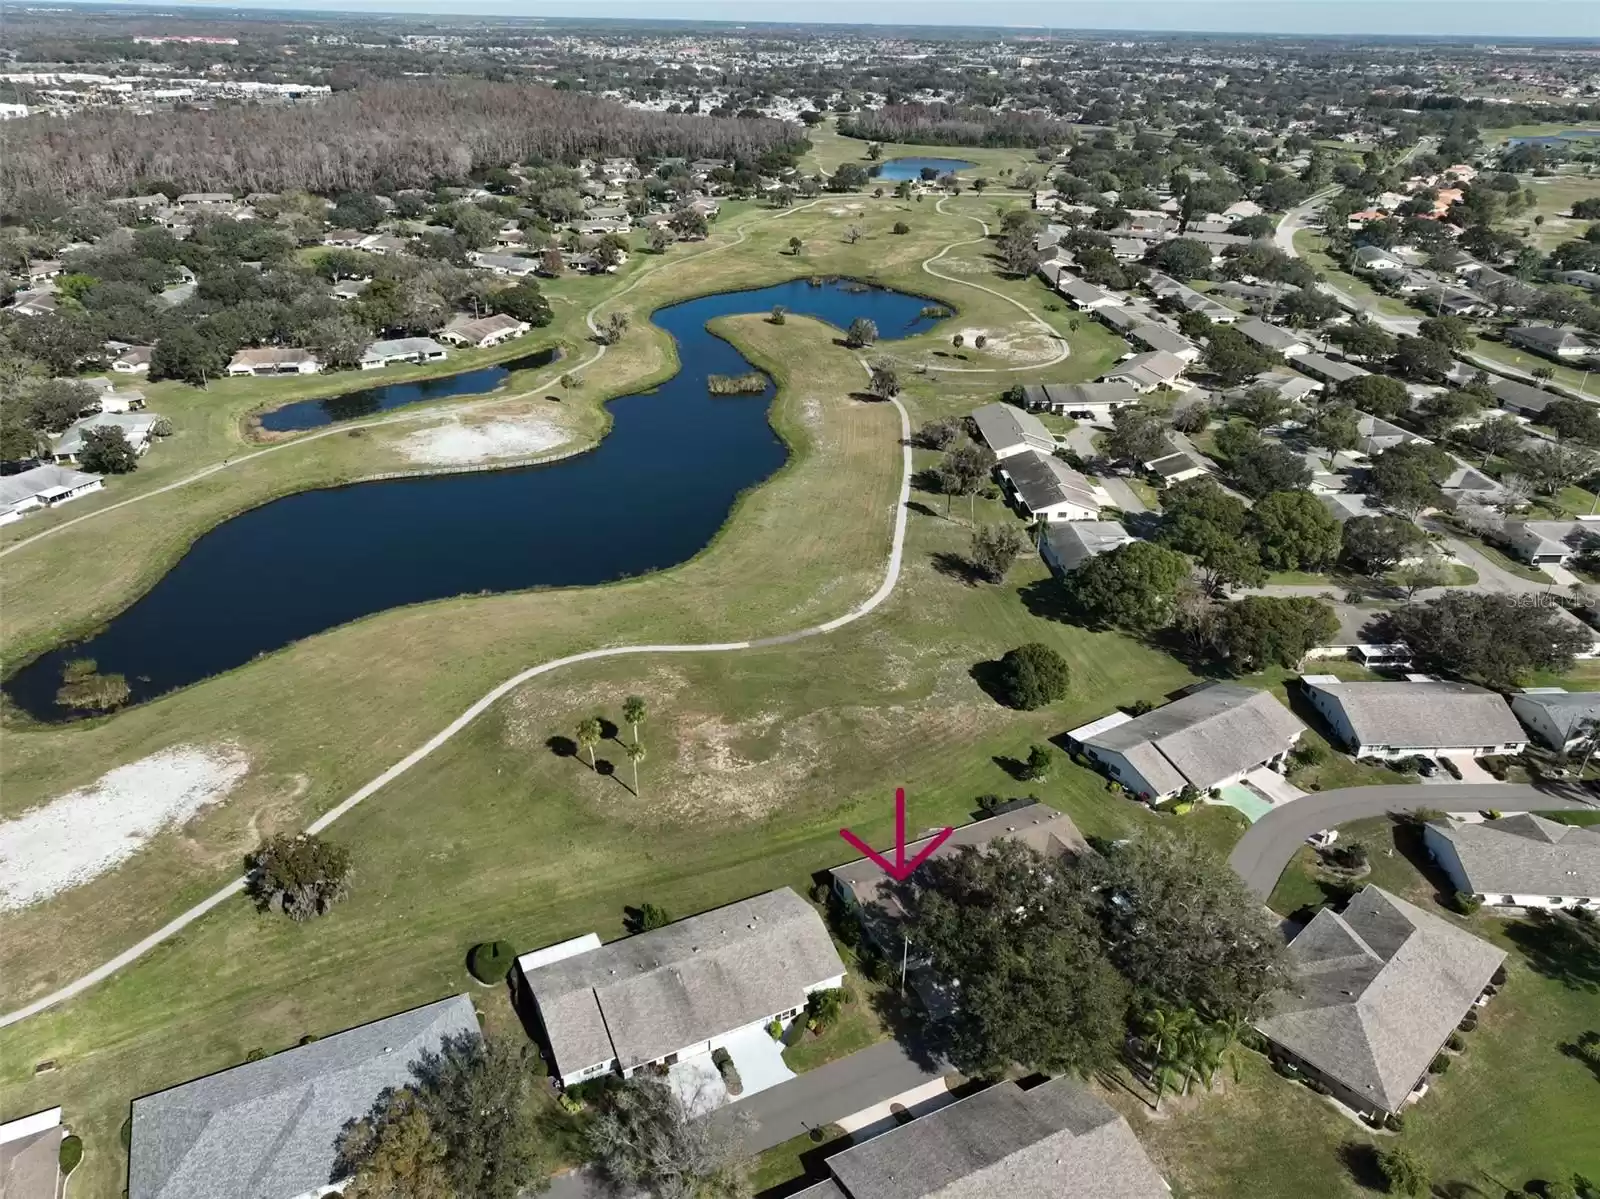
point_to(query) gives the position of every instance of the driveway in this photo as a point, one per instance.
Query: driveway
(1267, 845)
(1080, 439)
(1471, 770)
(880, 1118)
(1273, 786)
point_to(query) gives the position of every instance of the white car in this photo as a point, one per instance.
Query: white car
(1323, 839)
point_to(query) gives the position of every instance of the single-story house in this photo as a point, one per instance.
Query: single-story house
(122, 399)
(1342, 505)
(678, 991)
(1558, 718)
(349, 289)
(1176, 465)
(1082, 295)
(202, 199)
(135, 360)
(269, 1129)
(1578, 625)
(1522, 861)
(1378, 434)
(39, 272)
(1377, 990)
(1270, 337)
(1373, 259)
(1468, 484)
(1328, 370)
(1080, 401)
(1548, 542)
(402, 349)
(462, 330)
(1211, 737)
(343, 239)
(1007, 430)
(1415, 716)
(42, 487)
(1043, 487)
(1055, 1139)
(1127, 249)
(1358, 639)
(1168, 341)
(1067, 545)
(37, 302)
(384, 244)
(1283, 383)
(274, 360)
(513, 265)
(1588, 280)
(1146, 372)
(30, 1156)
(1521, 398)
(1187, 299)
(1118, 319)
(1562, 345)
(136, 426)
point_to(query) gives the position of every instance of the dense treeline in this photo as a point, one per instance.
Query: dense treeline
(948, 125)
(381, 138)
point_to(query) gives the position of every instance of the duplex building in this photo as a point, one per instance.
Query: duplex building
(1008, 430)
(1548, 542)
(1562, 345)
(483, 331)
(1146, 372)
(269, 1129)
(1270, 337)
(680, 991)
(1055, 1139)
(1559, 719)
(274, 360)
(1417, 716)
(1080, 401)
(1167, 341)
(137, 427)
(42, 487)
(403, 349)
(1213, 736)
(1376, 991)
(1522, 861)
(1328, 370)
(1067, 545)
(1043, 487)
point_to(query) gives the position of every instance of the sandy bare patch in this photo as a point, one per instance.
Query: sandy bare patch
(454, 443)
(80, 835)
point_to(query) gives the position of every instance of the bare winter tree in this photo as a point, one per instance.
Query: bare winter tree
(645, 1141)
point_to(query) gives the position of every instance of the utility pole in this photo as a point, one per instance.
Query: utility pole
(905, 953)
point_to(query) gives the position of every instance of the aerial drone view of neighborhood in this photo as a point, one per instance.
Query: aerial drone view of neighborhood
(699, 607)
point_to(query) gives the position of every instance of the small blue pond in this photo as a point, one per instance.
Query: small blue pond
(895, 169)
(652, 494)
(309, 414)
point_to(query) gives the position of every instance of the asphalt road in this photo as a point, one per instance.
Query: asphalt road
(1262, 853)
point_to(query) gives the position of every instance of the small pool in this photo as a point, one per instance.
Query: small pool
(895, 169)
(1242, 799)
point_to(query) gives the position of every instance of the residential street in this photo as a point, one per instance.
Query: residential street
(1266, 847)
(1081, 440)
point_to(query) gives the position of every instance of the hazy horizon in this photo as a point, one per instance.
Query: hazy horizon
(1415, 18)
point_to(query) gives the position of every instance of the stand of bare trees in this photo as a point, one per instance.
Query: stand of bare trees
(383, 137)
(949, 125)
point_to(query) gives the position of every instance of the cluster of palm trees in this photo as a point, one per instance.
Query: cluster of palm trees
(591, 731)
(1178, 1047)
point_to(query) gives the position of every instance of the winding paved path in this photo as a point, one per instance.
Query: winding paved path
(1266, 847)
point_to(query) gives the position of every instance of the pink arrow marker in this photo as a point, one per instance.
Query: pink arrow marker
(899, 869)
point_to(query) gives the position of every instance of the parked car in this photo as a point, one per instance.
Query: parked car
(1427, 767)
(1323, 839)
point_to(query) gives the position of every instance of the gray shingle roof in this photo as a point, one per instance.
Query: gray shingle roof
(1159, 337)
(1423, 714)
(1067, 396)
(1149, 370)
(1005, 427)
(1208, 735)
(267, 1129)
(1270, 336)
(1075, 542)
(643, 997)
(1565, 710)
(1329, 369)
(1055, 1141)
(1377, 990)
(1525, 855)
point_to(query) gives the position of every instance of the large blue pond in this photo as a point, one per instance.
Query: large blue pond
(650, 495)
(309, 414)
(896, 169)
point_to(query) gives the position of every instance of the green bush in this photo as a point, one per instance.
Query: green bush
(1439, 1065)
(775, 1031)
(1394, 1121)
(823, 1007)
(71, 1154)
(1465, 903)
(255, 1055)
(490, 961)
(1032, 676)
(1456, 1042)
(1402, 1171)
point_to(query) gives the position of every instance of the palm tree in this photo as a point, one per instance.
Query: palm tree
(1230, 1032)
(589, 737)
(635, 754)
(633, 711)
(1165, 1031)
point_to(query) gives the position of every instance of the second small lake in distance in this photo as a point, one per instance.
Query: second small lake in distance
(652, 494)
(895, 169)
(364, 401)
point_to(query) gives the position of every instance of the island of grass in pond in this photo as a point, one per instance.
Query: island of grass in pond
(365, 401)
(752, 383)
(893, 170)
(652, 494)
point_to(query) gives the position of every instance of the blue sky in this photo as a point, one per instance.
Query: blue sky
(1503, 19)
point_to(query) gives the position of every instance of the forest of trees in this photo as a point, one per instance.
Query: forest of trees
(379, 138)
(948, 125)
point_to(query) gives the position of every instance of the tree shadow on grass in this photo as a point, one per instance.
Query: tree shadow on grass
(1410, 844)
(562, 747)
(1560, 948)
(922, 509)
(1335, 894)
(1015, 767)
(954, 566)
(1361, 1161)
(991, 679)
(1048, 599)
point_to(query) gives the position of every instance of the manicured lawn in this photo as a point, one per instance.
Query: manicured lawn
(1508, 355)
(1498, 556)
(830, 150)
(1554, 196)
(1312, 248)
(795, 1158)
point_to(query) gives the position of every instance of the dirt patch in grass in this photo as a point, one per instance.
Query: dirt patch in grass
(456, 442)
